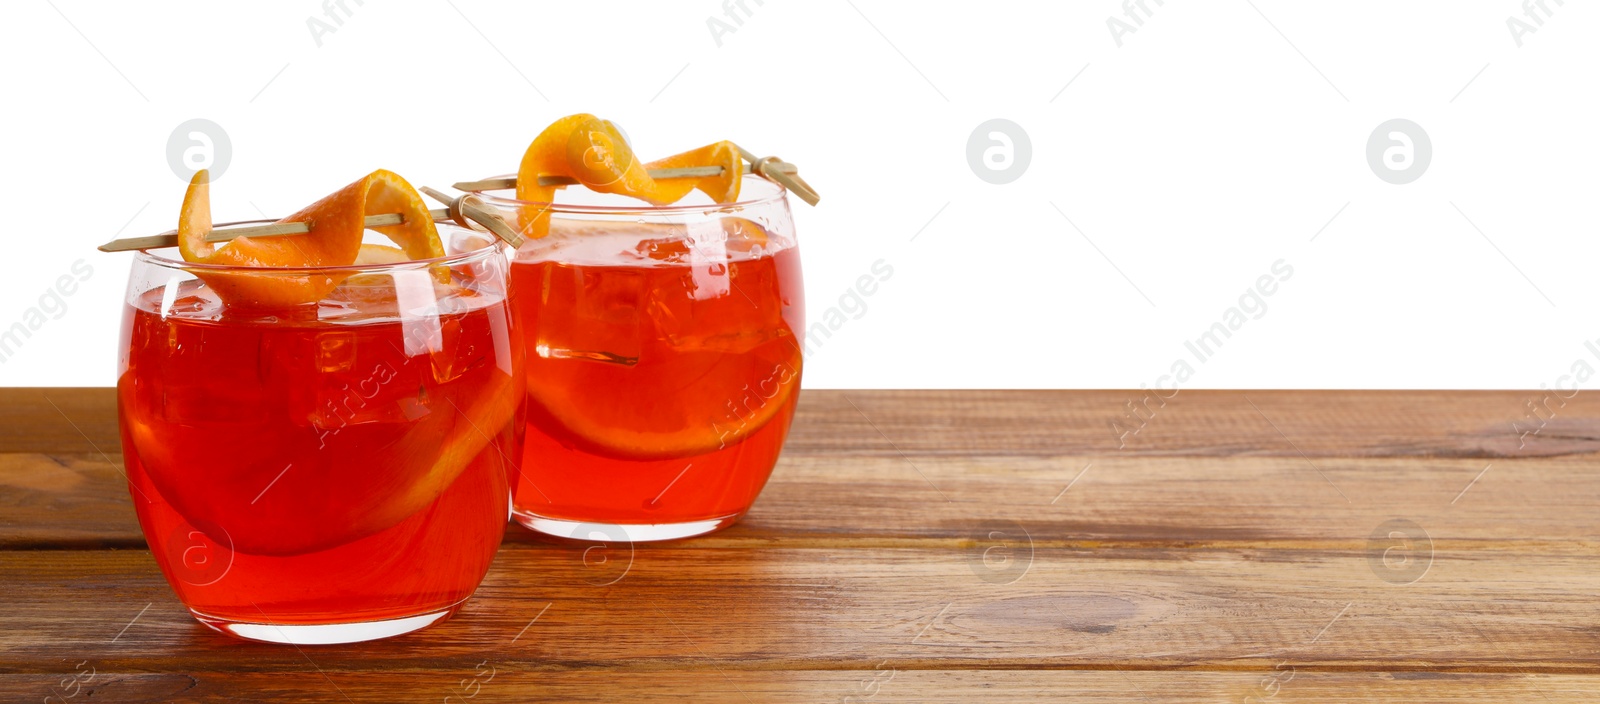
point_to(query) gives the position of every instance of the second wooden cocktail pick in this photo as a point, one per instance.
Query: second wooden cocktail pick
(771, 168)
(467, 211)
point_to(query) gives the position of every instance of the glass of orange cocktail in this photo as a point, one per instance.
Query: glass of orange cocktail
(664, 358)
(320, 454)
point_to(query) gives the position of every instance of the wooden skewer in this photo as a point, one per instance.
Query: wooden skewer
(131, 244)
(772, 168)
(474, 209)
(460, 210)
(469, 211)
(279, 229)
(496, 184)
(222, 232)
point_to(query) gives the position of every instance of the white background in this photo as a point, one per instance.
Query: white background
(1220, 137)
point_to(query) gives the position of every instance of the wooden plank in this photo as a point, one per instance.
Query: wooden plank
(1115, 501)
(72, 501)
(489, 682)
(1467, 424)
(911, 609)
(935, 537)
(79, 500)
(48, 420)
(1464, 424)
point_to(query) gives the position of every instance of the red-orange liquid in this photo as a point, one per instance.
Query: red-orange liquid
(659, 392)
(287, 470)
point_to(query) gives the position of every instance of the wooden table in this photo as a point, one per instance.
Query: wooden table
(931, 546)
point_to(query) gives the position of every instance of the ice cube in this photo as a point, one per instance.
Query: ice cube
(336, 351)
(602, 324)
(374, 390)
(708, 260)
(455, 354)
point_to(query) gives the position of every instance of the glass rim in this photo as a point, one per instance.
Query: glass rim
(776, 195)
(492, 247)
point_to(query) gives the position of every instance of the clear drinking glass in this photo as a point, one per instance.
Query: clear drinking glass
(664, 359)
(330, 472)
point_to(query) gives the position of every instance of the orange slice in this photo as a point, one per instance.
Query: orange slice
(686, 391)
(337, 224)
(321, 503)
(710, 401)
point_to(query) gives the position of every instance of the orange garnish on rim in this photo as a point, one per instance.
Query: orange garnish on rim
(380, 254)
(337, 226)
(722, 188)
(596, 154)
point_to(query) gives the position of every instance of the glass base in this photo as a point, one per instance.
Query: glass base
(323, 633)
(622, 532)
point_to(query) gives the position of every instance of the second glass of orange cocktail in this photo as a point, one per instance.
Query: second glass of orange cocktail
(664, 341)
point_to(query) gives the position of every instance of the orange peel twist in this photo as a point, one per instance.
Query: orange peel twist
(337, 225)
(595, 153)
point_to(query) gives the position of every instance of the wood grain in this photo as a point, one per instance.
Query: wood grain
(932, 546)
(1439, 424)
(78, 500)
(850, 608)
(60, 420)
(1369, 457)
(501, 683)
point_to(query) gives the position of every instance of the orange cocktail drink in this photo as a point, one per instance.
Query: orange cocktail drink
(321, 453)
(661, 307)
(664, 364)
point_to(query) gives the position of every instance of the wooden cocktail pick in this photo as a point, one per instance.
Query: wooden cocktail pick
(469, 211)
(774, 169)
(771, 168)
(466, 211)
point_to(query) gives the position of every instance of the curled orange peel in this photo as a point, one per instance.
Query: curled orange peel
(337, 225)
(380, 254)
(722, 188)
(596, 154)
